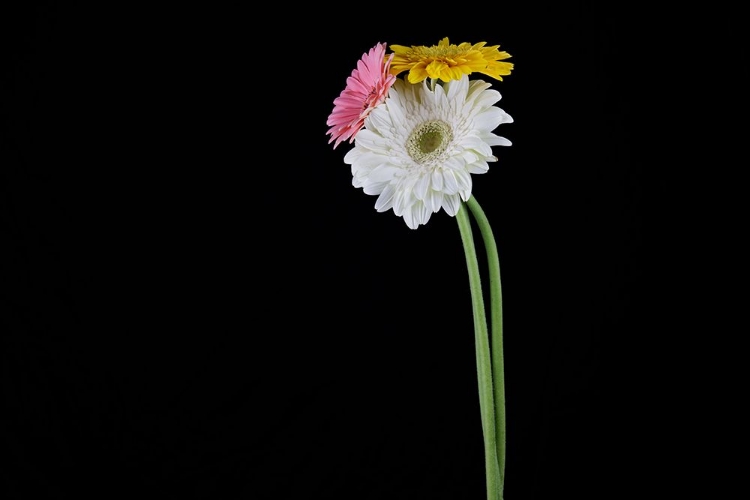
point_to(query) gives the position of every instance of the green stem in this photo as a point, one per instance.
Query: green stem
(496, 310)
(484, 366)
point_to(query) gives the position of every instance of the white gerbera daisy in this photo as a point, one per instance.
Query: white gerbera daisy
(418, 149)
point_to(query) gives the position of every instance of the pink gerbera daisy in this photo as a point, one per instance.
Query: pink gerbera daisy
(366, 88)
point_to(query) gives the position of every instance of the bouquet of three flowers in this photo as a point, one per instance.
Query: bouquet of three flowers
(417, 139)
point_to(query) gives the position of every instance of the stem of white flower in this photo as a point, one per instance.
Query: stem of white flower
(496, 343)
(484, 366)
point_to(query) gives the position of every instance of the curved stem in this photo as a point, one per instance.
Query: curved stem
(496, 310)
(484, 366)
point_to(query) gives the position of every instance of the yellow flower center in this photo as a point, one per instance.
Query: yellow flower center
(447, 54)
(429, 140)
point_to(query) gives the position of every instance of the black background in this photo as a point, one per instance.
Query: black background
(197, 303)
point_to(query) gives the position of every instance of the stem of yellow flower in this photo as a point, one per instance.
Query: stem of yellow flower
(484, 366)
(496, 343)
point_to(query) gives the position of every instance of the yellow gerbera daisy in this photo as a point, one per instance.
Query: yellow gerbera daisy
(448, 61)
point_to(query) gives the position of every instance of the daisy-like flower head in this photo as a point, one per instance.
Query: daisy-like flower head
(366, 88)
(418, 149)
(448, 61)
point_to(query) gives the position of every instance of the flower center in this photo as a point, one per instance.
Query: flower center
(429, 140)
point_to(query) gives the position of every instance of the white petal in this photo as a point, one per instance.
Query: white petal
(421, 187)
(489, 119)
(378, 179)
(435, 200)
(352, 155)
(476, 87)
(383, 173)
(478, 167)
(403, 199)
(471, 142)
(385, 200)
(458, 89)
(451, 204)
(450, 185)
(396, 112)
(487, 98)
(367, 161)
(409, 219)
(421, 213)
(454, 163)
(373, 188)
(437, 180)
(495, 140)
(469, 157)
(370, 140)
(379, 121)
(463, 178)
